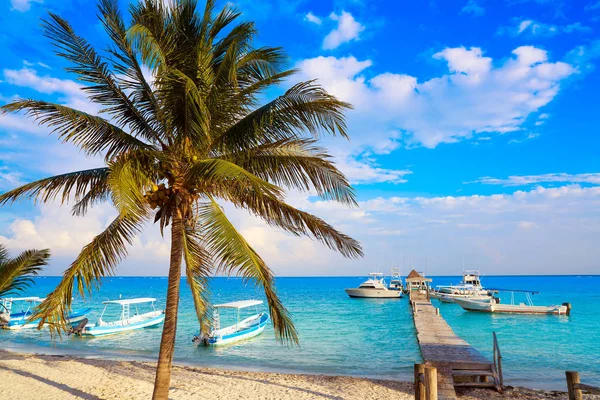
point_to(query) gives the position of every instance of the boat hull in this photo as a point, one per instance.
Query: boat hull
(20, 320)
(492, 307)
(450, 297)
(143, 321)
(374, 293)
(243, 334)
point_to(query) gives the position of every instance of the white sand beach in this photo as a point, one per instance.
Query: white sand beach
(26, 376)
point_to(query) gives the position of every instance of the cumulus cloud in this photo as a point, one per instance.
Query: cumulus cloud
(310, 17)
(524, 180)
(532, 27)
(347, 29)
(455, 106)
(474, 8)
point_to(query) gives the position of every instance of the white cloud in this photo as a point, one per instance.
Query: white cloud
(23, 5)
(348, 29)
(310, 17)
(523, 180)
(532, 28)
(474, 8)
(452, 107)
(526, 225)
(10, 179)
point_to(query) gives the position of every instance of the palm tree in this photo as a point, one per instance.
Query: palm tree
(175, 144)
(17, 274)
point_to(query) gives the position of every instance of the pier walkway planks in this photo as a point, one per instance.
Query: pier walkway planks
(451, 355)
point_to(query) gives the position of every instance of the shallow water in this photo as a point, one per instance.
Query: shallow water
(366, 337)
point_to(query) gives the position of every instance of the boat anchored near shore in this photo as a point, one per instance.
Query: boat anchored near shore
(469, 288)
(9, 319)
(245, 329)
(493, 305)
(126, 322)
(375, 288)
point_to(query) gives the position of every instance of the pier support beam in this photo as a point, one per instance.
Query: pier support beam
(573, 381)
(419, 382)
(431, 389)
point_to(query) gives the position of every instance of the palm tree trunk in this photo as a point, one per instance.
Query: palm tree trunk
(167, 344)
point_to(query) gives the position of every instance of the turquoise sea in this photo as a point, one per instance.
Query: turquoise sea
(364, 337)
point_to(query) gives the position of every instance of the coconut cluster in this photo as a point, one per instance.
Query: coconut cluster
(158, 195)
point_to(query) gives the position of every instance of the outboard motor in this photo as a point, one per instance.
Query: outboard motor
(200, 340)
(76, 330)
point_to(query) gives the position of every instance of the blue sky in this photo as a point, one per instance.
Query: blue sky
(474, 133)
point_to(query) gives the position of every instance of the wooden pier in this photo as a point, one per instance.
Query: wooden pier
(457, 362)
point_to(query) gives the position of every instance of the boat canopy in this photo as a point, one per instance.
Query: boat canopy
(131, 301)
(15, 299)
(239, 304)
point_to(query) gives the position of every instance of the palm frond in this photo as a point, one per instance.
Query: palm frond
(17, 275)
(70, 184)
(298, 164)
(234, 255)
(92, 69)
(130, 176)
(90, 133)
(130, 75)
(198, 268)
(305, 107)
(280, 214)
(96, 260)
(222, 178)
(97, 193)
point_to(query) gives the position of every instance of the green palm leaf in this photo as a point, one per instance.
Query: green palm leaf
(71, 184)
(90, 133)
(297, 164)
(17, 275)
(95, 261)
(233, 254)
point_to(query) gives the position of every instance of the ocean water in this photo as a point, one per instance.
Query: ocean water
(362, 337)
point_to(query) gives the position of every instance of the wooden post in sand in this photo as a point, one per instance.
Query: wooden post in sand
(573, 385)
(419, 382)
(431, 392)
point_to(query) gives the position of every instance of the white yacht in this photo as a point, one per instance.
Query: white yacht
(396, 280)
(374, 287)
(469, 288)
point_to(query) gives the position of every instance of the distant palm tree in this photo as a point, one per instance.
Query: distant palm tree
(17, 274)
(193, 133)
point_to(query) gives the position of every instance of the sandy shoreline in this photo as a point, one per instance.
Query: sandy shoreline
(27, 376)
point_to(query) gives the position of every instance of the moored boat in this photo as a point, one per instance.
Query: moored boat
(493, 305)
(128, 321)
(20, 319)
(241, 330)
(469, 288)
(374, 287)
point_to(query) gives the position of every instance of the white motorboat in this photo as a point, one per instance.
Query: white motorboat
(241, 330)
(128, 321)
(374, 287)
(12, 319)
(396, 280)
(493, 305)
(469, 288)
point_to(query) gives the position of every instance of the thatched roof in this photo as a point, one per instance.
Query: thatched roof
(413, 274)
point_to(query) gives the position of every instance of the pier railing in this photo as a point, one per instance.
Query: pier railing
(498, 362)
(576, 388)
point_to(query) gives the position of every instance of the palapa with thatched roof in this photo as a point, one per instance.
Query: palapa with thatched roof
(414, 280)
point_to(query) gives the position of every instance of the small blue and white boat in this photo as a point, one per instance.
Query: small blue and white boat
(128, 320)
(20, 319)
(245, 329)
